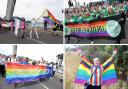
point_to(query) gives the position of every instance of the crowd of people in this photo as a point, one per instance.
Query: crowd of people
(18, 26)
(23, 60)
(92, 11)
(96, 11)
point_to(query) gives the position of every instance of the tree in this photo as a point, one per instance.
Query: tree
(104, 52)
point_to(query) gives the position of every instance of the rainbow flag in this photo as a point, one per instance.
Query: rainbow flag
(95, 29)
(17, 73)
(47, 15)
(84, 73)
(109, 75)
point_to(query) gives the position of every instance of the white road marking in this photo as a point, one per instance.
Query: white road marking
(44, 86)
(35, 40)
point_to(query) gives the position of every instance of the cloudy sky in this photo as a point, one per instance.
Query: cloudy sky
(33, 8)
(47, 51)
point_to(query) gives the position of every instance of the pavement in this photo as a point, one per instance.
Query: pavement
(100, 41)
(43, 84)
(45, 37)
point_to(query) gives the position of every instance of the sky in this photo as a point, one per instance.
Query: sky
(35, 52)
(33, 8)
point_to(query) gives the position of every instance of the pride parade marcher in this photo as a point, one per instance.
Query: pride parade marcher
(95, 74)
(125, 8)
(45, 25)
(17, 25)
(22, 26)
(24, 61)
(2, 65)
(13, 59)
(33, 27)
(54, 70)
(70, 3)
(3, 22)
(61, 27)
(67, 34)
(55, 29)
(12, 24)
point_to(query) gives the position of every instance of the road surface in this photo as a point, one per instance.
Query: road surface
(45, 37)
(44, 84)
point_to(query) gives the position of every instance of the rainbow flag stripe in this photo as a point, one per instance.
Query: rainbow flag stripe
(86, 61)
(17, 73)
(51, 19)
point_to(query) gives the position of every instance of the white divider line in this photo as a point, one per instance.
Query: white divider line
(35, 40)
(43, 85)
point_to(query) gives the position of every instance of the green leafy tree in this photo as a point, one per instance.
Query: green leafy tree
(104, 52)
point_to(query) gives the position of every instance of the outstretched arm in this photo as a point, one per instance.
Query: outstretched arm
(85, 60)
(110, 59)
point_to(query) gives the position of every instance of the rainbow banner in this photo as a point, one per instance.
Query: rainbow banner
(18, 73)
(84, 73)
(89, 29)
(50, 18)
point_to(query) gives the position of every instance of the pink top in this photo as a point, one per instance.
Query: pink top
(22, 25)
(12, 24)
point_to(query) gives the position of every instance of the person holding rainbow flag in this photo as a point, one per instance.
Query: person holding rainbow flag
(33, 27)
(93, 76)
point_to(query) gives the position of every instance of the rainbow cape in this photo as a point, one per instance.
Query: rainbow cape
(84, 73)
(47, 15)
(17, 73)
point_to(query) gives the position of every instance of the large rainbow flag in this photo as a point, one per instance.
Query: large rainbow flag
(48, 16)
(84, 73)
(95, 29)
(17, 73)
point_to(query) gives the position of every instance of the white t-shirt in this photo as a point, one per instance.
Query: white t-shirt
(33, 23)
(13, 60)
(54, 68)
(17, 23)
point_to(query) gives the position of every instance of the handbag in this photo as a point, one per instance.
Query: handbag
(86, 85)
